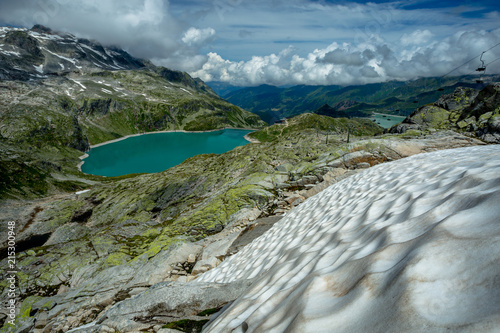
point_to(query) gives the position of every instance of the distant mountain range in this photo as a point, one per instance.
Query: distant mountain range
(394, 97)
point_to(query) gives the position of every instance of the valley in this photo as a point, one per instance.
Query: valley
(395, 98)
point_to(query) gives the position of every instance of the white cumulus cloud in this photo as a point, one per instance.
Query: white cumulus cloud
(367, 62)
(194, 36)
(417, 37)
(347, 43)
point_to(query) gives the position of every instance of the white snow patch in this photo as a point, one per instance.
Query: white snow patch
(81, 192)
(79, 83)
(78, 46)
(7, 29)
(39, 68)
(103, 65)
(117, 66)
(111, 53)
(95, 51)
(73, 61)
(106, 91)
(44, 36)
(14, 53)
(404, 246)
(186, 91)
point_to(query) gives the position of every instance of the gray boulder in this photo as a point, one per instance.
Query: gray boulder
(170, 301)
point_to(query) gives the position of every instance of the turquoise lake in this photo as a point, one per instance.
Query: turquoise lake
(388, 120)
(158, 151)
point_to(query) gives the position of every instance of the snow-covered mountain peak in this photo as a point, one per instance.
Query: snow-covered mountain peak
(34, 53)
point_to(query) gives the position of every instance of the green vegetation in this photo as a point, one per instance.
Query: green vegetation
(125, 222)
(322, 124)
(186, 325)
(465, 110)
(53, 122)
(208, 312)
(135, 217)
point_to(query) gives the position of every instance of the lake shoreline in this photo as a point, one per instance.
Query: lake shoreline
(386, 120)
(386, 114)
(82, 157)
(249, 139)
(79, 165)
(171, 131)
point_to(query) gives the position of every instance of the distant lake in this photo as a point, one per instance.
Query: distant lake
(387, 120)
(157, 152)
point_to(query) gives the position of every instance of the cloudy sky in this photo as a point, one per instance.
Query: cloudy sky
(283, 42)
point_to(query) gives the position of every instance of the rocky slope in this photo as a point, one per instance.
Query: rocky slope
(474, 112)
(35, 53)
(60, 93)
(150, 230)
(152, 286)
(324, 125)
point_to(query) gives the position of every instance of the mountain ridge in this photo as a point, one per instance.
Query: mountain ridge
(60, 94)
(34, 53)
(394, 97)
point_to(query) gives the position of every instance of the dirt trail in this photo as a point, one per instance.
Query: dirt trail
(286, 125)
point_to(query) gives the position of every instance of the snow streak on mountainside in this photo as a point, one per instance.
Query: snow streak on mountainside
(405, 246)
(28, 54)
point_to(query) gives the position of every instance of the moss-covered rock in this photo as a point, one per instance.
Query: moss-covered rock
(105, 242)
(322, 124)
(465, 110)
(431, 116)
